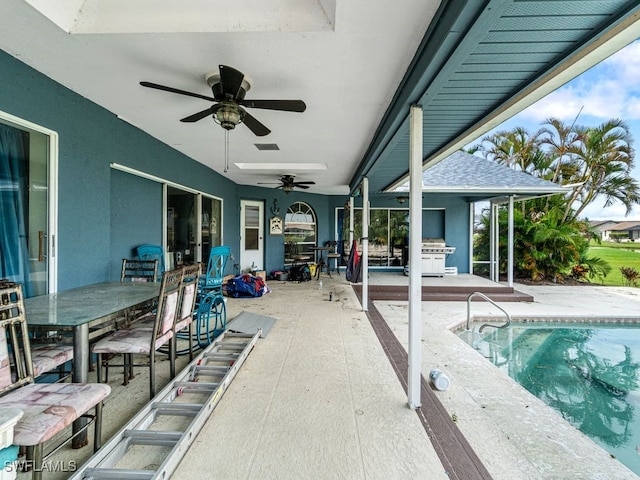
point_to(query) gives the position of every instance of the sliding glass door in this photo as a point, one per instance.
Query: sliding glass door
(388, 236)
(193, 226)
(27, 205)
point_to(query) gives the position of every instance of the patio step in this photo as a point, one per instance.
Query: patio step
(432, 293)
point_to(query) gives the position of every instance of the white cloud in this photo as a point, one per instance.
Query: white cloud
(627, 63)
(596, 211)
(608, 90)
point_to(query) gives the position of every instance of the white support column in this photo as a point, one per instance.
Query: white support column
(365, 244)
(492, 242)
(415, 258)
(351, 221)
(496, 243)
(510, 245)
(472, 214)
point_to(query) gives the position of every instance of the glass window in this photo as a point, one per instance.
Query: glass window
(399, 235)
(388, 236)
(252, 227)
(299, 231)
(211, 221)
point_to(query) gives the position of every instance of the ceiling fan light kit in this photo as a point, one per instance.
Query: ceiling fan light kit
(227, 115)
(229, 87)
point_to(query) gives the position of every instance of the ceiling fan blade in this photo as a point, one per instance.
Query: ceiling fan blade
(197, 116)
(255, 126)
(304, 183)
(231, 80)
(300, 186)
(176, 90)
(284, 105)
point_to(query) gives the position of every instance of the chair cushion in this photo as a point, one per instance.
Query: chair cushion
(136, 339)
(50, 407)
(184, 323)
(49, 357)
(169, 312)
(187, 301)
(5, 364)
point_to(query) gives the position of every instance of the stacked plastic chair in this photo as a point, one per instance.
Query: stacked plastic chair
(152, 252)
(211, 311)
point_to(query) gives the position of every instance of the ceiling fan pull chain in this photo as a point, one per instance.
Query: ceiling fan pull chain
(226, 151)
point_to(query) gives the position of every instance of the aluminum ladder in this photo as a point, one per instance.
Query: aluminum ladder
(153, 442)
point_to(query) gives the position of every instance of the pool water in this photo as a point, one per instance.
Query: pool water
(590, 373)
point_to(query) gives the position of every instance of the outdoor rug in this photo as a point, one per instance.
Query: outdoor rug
(248, 322)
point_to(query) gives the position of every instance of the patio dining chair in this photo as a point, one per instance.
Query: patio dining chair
(145, 336)
(48, 408)
(187, 303)
(134, 270)
(51, 357)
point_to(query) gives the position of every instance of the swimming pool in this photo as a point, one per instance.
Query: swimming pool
(590, 373)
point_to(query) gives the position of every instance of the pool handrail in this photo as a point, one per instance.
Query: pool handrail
(484, 325)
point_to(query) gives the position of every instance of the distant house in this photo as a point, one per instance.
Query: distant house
(603, 227)
(611, 230)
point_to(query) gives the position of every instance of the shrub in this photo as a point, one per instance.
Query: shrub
(630, 275)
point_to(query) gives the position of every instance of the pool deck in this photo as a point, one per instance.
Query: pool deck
(515, 434)
(319, 399)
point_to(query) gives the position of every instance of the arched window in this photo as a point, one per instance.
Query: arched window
(300, 233)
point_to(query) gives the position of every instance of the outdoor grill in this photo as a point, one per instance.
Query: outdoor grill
(434, 253)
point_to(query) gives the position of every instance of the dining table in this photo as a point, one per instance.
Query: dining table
(84, 310)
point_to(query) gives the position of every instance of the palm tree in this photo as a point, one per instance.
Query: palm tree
(517, 149)
(605, 160)
(561, 139)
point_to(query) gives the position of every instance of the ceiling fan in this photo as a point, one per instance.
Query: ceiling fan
(288, 183)
(229, 87)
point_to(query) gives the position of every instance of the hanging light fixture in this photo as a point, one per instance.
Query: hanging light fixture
(227, 115)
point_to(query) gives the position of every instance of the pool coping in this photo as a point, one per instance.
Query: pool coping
(461, 325)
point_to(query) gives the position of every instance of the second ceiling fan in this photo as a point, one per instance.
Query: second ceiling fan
(288, 183)
(229, 87)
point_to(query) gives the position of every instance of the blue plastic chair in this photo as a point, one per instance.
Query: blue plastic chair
(152, 252)
(210, 317)
(211, 311)
(212, 280)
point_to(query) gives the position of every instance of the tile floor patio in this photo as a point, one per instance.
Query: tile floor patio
(319, 399)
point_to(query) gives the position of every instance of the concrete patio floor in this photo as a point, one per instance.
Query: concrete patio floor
(318, 398)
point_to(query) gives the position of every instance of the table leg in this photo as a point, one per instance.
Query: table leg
(80, 375)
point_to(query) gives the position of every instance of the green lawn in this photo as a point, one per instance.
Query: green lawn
(617, 255)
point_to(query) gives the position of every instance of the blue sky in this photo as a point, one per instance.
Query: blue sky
(609, 90)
